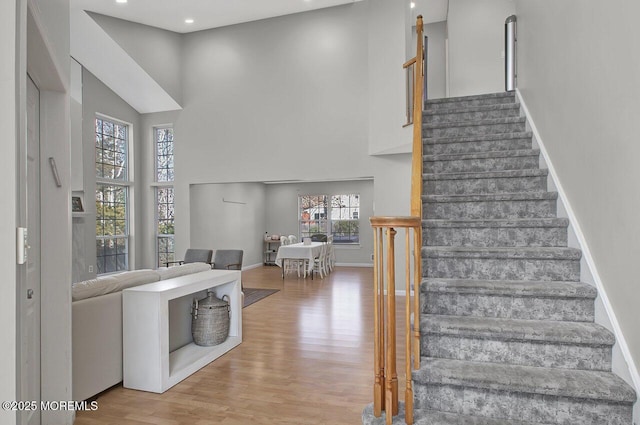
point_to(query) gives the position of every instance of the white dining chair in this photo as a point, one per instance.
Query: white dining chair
(331, 255)
(294, 265)
(320, 262)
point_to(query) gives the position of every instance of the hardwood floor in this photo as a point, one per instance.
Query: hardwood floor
(306, 358)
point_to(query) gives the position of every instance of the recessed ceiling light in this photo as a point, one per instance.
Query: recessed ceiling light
(188, 21)
(413, 5)
(121, 1)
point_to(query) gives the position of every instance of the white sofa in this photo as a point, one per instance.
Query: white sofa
(97, 325)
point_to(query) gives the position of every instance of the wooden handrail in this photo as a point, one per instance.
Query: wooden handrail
(385, 387)
(408, 63)
(416, 162)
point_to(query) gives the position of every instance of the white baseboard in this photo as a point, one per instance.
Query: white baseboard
(586, 252)
(354, 264)
(252, 266)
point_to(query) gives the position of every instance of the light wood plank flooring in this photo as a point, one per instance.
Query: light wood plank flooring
(306, 358)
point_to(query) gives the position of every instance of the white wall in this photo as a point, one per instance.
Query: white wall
(157, 51)
(578, 73)
(476, 41)
(386, 53)
(228, 216)
(436, 59)
(279, 99)
(9, 36)
(281, 210)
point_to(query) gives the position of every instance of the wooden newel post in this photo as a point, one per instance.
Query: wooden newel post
(385, 387)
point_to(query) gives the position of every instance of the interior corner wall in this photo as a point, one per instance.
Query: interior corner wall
(229, 216)
(578, 74)
(156, 50)
(476, 43)
(281, 209)
(436, 59)
(99, 99)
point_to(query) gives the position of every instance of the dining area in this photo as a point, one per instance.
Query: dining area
(313, 255)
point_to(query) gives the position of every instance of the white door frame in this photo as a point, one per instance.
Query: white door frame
(49, 69)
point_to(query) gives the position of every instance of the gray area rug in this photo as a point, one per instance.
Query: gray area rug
(253, 295)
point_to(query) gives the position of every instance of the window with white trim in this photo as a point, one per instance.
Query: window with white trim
(165, 250)
(112, 196)
(337, 215)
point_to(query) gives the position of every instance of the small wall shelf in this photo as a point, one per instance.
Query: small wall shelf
(270, 251)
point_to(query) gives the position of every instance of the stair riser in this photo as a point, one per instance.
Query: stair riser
(509, 307)
(490, 209)
(475, 147)
(485, 186)
(522, 353)
(493, 237)
(460, 104)
(470, 116)
(509, 269)
(483, 164)
(473, 130)
(520, 406)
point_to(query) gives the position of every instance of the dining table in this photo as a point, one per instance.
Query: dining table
(299, 251)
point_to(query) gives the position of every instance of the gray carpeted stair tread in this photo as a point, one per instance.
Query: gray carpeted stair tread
(482, 155)
(510, 288)
(570, 383)
(434, 417)
(471, 97)
(521, 196)
(537, 172)
(497, 223)
(475, 123)
(538, 253)
(476, 108)
(478, 138)
(573, 333)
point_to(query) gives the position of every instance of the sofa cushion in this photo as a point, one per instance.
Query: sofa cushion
(189, 268)
(112, 283)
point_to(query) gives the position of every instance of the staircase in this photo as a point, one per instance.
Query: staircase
(507, 332)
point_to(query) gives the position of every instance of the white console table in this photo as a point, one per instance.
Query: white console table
(147, 363)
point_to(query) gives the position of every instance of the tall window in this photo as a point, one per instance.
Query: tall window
(345, 215)
(164, 195)
(312, 215)
(336, 215)
(112, 196)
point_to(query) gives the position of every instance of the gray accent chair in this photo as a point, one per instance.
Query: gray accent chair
(194, 256)
(227, 259)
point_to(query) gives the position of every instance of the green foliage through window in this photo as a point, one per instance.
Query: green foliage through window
(112, 196)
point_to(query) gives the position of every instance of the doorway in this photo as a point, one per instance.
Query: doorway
(30, 284)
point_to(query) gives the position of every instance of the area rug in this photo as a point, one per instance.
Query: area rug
(252, 295)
